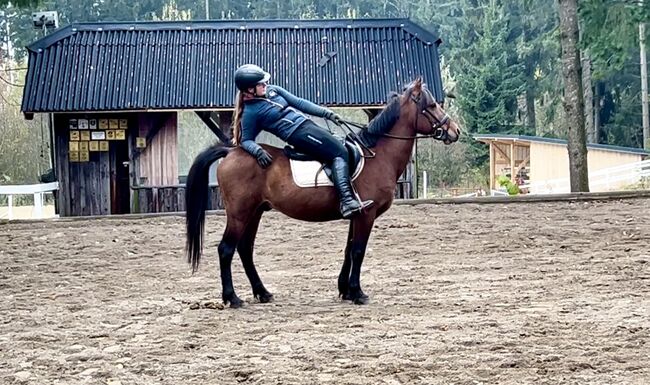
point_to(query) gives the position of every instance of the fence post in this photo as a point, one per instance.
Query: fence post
(10, 200)
(38, 206)
(425, 185)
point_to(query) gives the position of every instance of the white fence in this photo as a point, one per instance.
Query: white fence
(38, 190)
(613, 178)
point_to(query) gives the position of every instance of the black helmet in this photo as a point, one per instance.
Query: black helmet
(249, 75)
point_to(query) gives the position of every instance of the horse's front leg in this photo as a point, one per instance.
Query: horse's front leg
(344, 276)
(361, 228)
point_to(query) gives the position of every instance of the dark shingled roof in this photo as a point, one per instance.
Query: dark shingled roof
(190, 65)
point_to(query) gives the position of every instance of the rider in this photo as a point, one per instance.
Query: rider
(260, 106)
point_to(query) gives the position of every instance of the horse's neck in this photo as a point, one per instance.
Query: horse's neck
(397, 152)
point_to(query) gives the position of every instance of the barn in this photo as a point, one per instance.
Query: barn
(113, 92)
(542, 164)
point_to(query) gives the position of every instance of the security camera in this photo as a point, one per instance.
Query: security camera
(49, 19)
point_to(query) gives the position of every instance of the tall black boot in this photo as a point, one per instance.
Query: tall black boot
(341, 178)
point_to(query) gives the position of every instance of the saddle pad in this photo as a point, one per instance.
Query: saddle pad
(304, 173)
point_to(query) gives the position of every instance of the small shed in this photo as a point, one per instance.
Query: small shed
(115, 89)
(542, 164)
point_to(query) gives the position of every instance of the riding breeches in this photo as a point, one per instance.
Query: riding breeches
(314, 140)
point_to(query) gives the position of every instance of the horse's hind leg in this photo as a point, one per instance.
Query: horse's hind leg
(231, 236)
(245, 250)
(361, 228)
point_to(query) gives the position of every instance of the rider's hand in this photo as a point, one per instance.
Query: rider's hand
(264, 159)
(334, 117)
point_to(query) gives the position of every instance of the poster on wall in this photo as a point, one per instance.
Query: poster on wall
(124, 124)
(84, 156)
(92, 124)
(103, 145)
(113, 124)
(74, 135)
(73, 146)
(83, 124)
(140, 142)
(120, 134)
(84, 135)
(83, 146)
(103, 124)
(110, 135)
(72, 124)
(93, 146)
(98, 135)
(74, 156)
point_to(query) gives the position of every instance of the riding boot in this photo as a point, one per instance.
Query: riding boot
(341, 178)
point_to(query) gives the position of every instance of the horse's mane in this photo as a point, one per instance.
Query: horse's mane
(383, 122)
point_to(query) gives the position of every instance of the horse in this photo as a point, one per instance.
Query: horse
(248, 191)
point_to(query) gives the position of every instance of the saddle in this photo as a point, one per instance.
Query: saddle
(308, 172)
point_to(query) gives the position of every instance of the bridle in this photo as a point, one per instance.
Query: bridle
(439, 127)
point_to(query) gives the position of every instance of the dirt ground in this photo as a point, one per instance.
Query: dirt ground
(539, 293)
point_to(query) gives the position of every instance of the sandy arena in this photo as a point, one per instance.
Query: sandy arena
(538, 293)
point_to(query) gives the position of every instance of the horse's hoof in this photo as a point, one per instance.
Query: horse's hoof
(235, 302)
(361, 300)
(265, 297)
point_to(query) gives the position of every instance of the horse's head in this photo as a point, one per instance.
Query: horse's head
(426, 114)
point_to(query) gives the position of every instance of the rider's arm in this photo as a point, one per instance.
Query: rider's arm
(249, 131)
(304, 105)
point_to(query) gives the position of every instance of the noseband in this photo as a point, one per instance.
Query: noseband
(437, 125)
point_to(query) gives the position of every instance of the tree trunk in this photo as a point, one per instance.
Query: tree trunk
(589, 100)
(573, 97)
(601, 137)
(530, 109)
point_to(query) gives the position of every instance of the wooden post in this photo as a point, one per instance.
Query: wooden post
(644, 86)
(513, 172)
(424, 184)
(10, 202)
(492, 166)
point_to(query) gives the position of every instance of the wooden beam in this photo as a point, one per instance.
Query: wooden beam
(523, 162)
(502, 153)
(492, 166)
(513, 173)
(213, 126)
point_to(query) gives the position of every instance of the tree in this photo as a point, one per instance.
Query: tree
(573, 97)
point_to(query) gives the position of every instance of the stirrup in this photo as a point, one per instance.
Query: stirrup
(351, 212)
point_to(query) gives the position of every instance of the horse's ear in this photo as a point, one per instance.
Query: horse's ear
(417, 84)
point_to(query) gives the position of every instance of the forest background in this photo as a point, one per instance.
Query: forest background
(500, 58)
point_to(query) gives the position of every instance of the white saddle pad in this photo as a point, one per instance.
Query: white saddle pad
(304, 172)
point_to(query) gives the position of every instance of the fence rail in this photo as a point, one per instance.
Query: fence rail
(166, 199)
(613, 178)
(38, 190)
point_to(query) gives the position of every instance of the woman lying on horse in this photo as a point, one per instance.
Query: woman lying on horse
(261, 106)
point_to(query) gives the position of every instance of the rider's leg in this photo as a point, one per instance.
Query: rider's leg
(317, 142)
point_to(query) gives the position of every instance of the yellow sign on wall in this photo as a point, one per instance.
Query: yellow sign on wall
(113, 124)
(74, 135)
(120, 135)
(140, 142)
(73, 146)
(93, 146)
(124, 124)
(74, 156)
(84, 135)
(84, 156)
(83, 146)
(103, 124)
(103, 145)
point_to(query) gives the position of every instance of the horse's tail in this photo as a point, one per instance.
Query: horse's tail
(196, 201)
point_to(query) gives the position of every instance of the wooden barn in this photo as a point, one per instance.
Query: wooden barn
(114, 92)
(542, 164)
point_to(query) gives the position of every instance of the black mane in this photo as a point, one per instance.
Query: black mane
(381, 123)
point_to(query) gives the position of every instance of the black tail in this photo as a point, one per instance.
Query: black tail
(196, 201)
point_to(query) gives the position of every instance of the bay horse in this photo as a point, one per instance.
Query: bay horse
(248, 191)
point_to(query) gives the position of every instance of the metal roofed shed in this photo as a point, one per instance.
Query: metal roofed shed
(189, 65)
(542, 164)
(115, 89)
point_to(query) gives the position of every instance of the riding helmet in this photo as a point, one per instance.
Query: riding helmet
(249, 75)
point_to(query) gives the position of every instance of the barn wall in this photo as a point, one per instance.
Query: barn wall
(89, 173)
(551, 161)
(158, 162)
